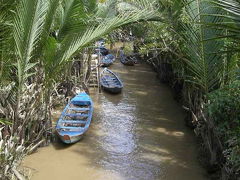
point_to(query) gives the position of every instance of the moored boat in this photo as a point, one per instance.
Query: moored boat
(126, 60)
(111, 56)
(75, 118)
(102, 50)
(107, 60)
(110, 81)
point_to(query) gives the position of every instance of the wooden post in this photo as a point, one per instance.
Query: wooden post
(98, 72)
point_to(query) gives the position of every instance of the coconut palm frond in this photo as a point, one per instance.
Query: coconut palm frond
(106, 10)
(231, 13)
(205, 66)
(28, 28)
(6, 51)
(75, 42)
(75, 16)
(231, 6)
(50, 18)
(82, 35)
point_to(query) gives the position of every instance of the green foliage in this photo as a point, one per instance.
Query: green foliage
(37, 39)
(128, 48)
(5, 122)
(224, 109)
(200, 39)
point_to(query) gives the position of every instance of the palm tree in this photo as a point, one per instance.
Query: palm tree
(38, 38)
(44, 36)
(205, 55)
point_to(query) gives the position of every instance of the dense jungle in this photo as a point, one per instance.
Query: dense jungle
(192, 47)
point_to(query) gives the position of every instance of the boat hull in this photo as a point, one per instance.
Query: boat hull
(75, 119)
(112, 90)
(106, 64)
(107, 60)
(128, 63)
(69, 139)
(110, 82)
(126, 60)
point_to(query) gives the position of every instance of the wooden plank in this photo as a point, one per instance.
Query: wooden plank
(79, 109)
(73, 121)
(76, 114)
(71, 128)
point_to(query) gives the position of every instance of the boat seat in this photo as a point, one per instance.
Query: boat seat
(113, 79)
(111, 82)
(73, 121)
(76, 114)
(69, 127)
(79, 109)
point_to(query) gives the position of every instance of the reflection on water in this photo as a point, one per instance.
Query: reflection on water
(136, 135)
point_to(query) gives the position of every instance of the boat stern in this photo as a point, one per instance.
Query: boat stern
(69, 137)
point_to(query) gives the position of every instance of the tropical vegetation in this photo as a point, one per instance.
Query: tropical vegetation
(194, 46)
(39, 41)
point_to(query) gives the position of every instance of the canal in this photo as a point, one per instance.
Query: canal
(136, 135)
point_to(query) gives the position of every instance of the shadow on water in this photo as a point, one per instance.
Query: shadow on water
(136, 135)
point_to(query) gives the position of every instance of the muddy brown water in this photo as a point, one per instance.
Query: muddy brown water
(136, 135)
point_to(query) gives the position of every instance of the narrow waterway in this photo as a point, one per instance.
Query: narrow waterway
(136, 135)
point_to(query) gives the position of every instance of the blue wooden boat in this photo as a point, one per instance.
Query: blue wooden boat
(126, 60)
(102, 50)
(107, 60)
(111, 56)
(110, 81)
(75, 118)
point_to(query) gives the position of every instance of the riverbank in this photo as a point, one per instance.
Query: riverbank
(139, 134)
(214, 127)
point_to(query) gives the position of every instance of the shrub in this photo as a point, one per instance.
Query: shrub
(224, 109)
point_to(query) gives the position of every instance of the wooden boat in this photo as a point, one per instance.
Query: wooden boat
(126, 60)
(110, 81)
(111, 56)
(107, 60)
(75, 118)
(102, 50)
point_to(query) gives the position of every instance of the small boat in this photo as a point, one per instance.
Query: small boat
(75, 118)
(107, 60)
(102, 50)
(111, 56)
(126, 60)
(110, 81)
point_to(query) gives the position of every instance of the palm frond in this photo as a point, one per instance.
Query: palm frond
(27, 31)
(106, 10)
(6, 13)
(75, 16)
(231, 9)
(75, 42)
(204, 65)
